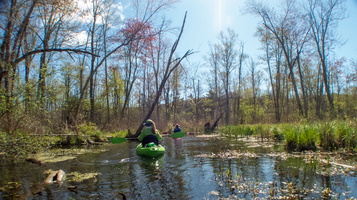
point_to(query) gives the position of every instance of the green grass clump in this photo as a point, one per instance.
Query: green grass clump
(261, 131)
(301, 137)
(338, 134)
(332, 135)
(277, 133)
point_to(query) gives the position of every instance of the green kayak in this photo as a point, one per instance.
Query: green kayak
(151, 151)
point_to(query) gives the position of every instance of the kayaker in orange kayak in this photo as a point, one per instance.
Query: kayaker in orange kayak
(149, 134)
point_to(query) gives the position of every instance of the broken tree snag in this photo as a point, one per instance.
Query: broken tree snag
(208, 128)
(171, 65)
(216, 123)
(123, 196)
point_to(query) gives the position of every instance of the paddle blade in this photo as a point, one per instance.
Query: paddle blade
(178, 134)
(117, 140)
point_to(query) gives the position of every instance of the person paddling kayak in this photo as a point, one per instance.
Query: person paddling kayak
(149, 134)
(177, 128)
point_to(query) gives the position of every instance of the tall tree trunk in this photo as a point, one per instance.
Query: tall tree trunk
(226, 102)
(106, 77)
(302, 85)
(42, 79)
(240, 66)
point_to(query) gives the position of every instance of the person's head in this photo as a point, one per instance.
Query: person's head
(148, 122)
(177, 125)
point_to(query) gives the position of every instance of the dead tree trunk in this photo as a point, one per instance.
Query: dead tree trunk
(169, 69)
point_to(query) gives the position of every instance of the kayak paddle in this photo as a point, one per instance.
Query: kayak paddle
(117, 140)
(178, 135)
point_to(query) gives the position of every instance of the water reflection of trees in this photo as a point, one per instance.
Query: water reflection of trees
(267, 176)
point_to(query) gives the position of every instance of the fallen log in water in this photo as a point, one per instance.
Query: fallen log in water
(91, 142)
(34, 160)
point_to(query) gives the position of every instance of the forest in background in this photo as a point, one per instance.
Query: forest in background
(67, 63)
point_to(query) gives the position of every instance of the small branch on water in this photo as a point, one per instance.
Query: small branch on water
(338, 164)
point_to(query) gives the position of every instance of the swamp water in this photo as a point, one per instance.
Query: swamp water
(202, 167)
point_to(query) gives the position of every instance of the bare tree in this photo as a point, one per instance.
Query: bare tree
(273, 58)
(213, 61)
(16, 20)
(242, 57)
(323, 18)
(123, 38)
(195, 96)
(228, 62)
(55, 19)
(290, 33)
(255, 79)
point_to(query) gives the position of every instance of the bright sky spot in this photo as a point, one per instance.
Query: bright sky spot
(81, 37)
(218, 15)
(347, 30)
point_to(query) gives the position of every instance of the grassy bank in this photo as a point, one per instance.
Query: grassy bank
(19, 145)
(333, 135)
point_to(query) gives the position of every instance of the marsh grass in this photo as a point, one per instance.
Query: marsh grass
(235, 131)
(338, 134)
(332, 135)
(301, 137)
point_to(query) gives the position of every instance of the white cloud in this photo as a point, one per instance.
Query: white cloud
(114, 8)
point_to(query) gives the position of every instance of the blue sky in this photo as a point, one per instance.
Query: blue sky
(206, 18)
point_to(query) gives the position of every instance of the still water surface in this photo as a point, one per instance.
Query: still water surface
(192, 168)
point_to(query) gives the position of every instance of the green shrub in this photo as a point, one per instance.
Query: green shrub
(119, 134)
(89, 129)
(19, 145)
